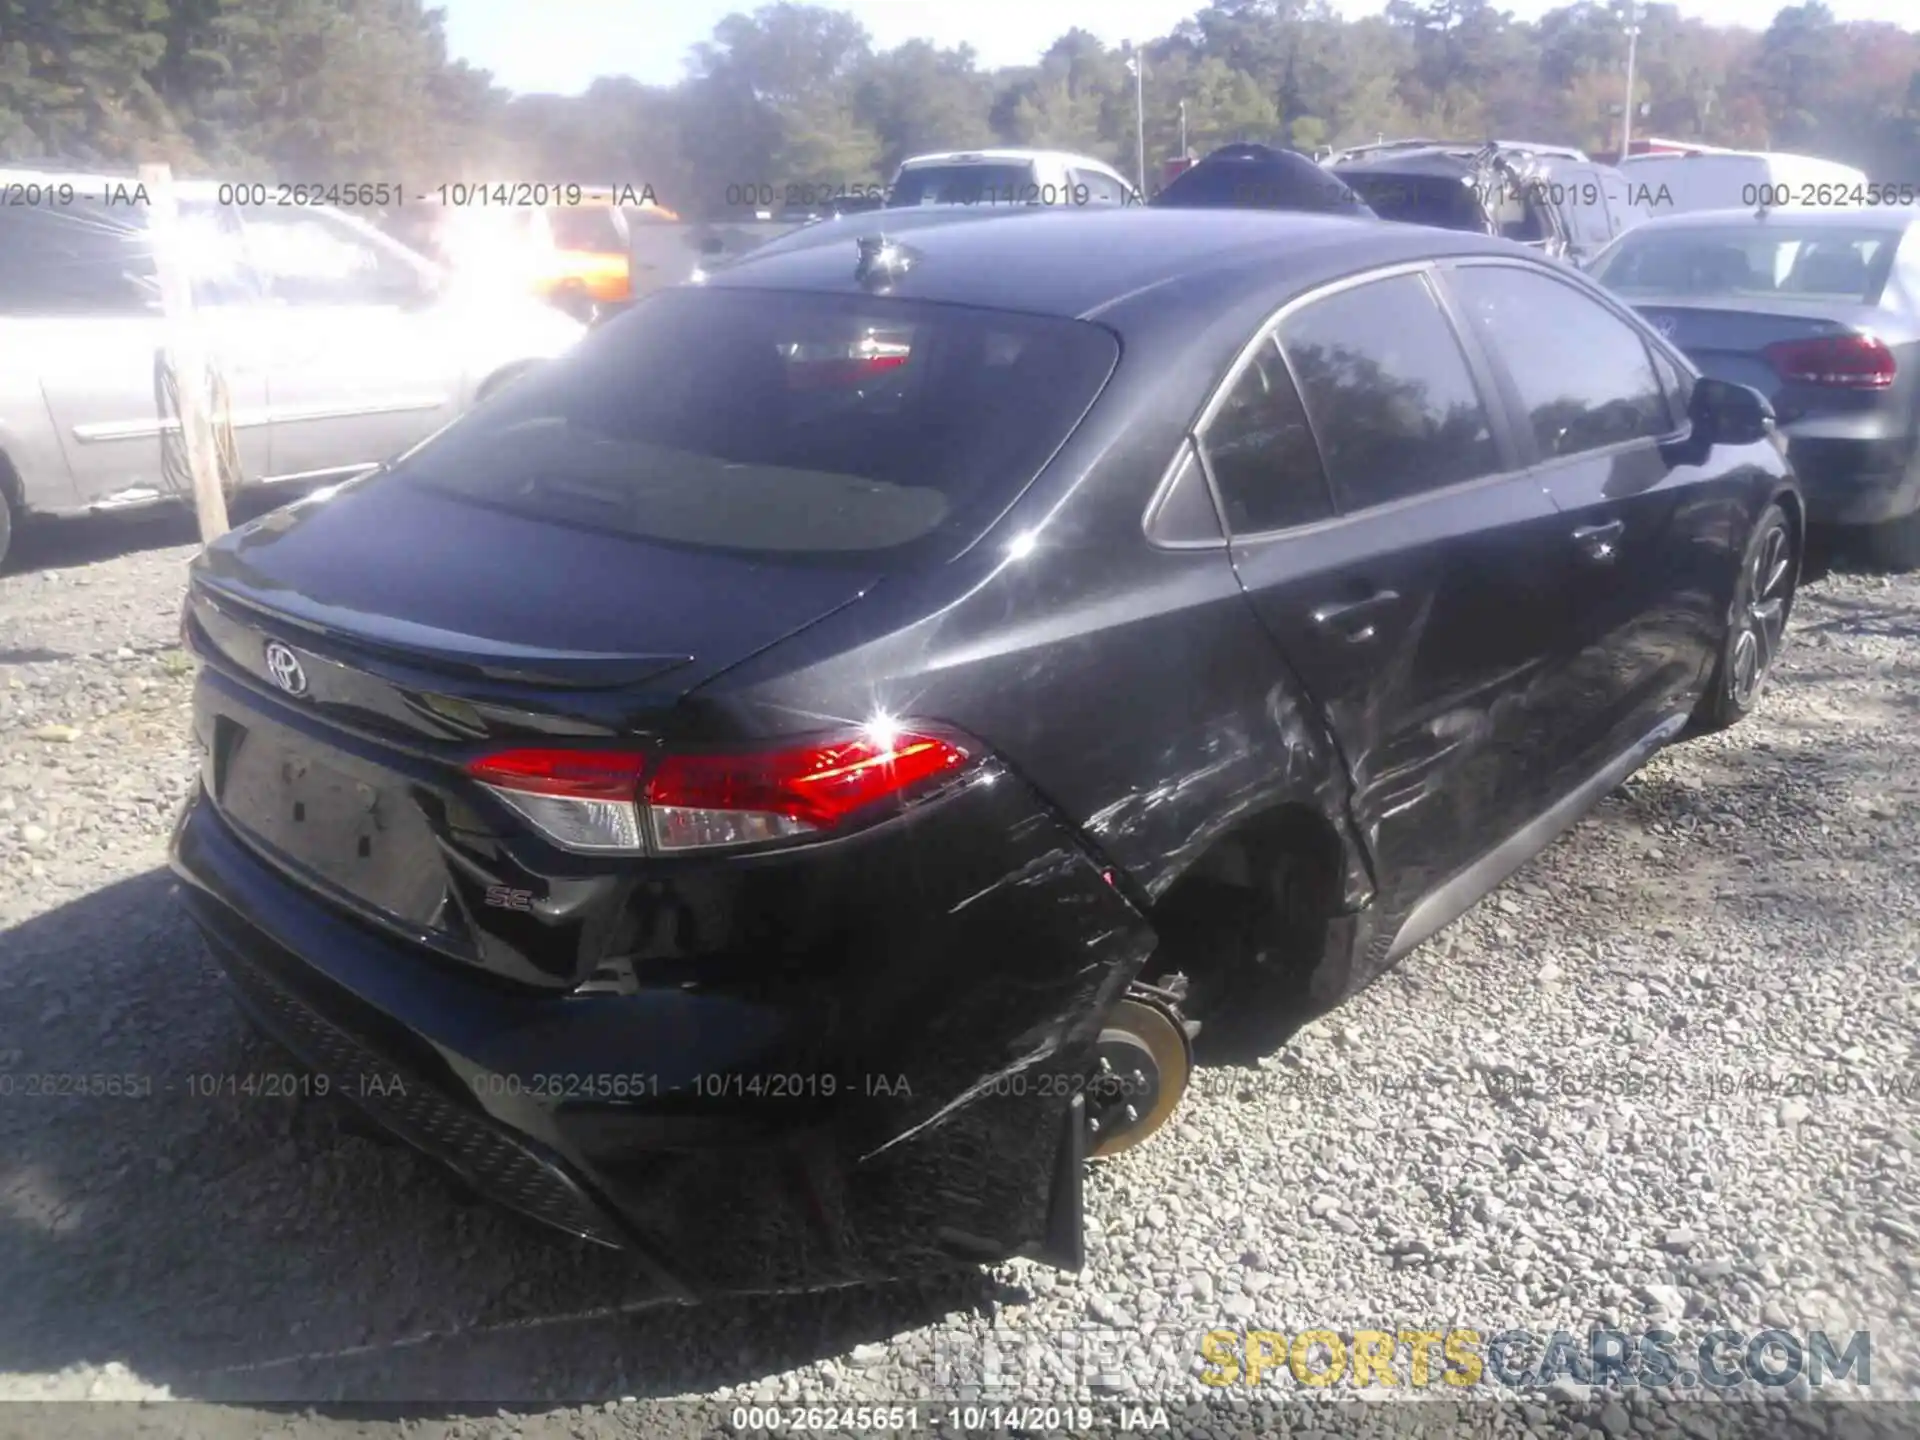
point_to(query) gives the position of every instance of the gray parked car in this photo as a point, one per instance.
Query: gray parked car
(1819, 310)
(336, 347)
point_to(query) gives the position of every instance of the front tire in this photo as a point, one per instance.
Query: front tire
(1762, 602)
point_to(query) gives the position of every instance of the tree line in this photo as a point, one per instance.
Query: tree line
(796, 95)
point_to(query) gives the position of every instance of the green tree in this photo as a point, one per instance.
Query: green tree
(76, 77)
(771, 104)
(918, 97)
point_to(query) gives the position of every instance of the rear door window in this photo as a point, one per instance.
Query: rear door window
(841, 428)
(1260, 450)
(1389, 392)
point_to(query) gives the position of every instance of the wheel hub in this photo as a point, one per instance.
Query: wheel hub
(1142, 1061)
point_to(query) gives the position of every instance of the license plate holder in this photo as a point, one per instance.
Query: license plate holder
(365, 839)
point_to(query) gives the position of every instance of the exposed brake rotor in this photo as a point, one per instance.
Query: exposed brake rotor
(1142, 1062)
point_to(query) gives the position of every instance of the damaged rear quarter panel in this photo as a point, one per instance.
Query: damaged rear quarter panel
(1142, 701)
(951, 968)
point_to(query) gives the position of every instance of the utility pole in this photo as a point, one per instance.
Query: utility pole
(185, 356)
(1626, 111)
(1137, 63)
(1183, 129)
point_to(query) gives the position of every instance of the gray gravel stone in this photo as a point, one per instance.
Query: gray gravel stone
(1729, 941)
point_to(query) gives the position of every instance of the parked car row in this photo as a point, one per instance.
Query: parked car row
(336, 346)
(784, 782)
(1715, 245)
(1818, 310)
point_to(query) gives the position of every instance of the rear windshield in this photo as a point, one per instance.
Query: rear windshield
(1752, 258)
(965, 185)
(833, 428)
(591, 228)
(1437, 200)
(1257, 185)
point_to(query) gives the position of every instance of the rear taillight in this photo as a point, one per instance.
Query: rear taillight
(581, 799)
(1850, 362)
(635, 803)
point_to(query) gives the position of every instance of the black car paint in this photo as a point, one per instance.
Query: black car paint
(1138, 702)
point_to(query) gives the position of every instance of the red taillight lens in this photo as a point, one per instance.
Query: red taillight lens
(576, 774)
(833, 367)
(1851, 362)
(610, 801)
(695, 800)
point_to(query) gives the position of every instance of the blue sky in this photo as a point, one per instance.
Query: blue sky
(561, 45)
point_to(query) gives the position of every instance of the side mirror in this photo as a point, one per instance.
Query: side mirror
(1727, 414)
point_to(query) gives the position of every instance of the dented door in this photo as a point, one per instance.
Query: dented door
(1417, 615)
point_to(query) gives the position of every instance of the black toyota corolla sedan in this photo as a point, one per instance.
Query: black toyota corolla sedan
(778, 789)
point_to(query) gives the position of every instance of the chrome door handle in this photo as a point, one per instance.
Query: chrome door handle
(1601, 542)
(1354, 619)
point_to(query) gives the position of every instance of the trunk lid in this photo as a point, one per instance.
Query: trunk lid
(353, 666)
(1726, 338)
(451, 584)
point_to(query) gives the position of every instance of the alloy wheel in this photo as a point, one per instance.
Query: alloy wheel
(1762, 623)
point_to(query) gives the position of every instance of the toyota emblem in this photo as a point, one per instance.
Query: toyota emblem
(285, 669)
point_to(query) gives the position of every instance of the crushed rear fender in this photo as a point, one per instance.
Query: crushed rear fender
(980, 996)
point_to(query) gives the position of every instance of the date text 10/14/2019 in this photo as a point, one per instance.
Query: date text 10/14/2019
(907, 1419)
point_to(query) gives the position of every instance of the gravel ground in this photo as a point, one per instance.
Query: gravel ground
(1451, 1149)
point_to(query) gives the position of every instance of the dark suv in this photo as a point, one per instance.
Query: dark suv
(776, 789)
(1258, 177)
(1556, 200)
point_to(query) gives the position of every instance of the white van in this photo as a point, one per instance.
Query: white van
(1741, 180)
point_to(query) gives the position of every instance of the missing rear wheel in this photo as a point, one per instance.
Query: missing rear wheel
(1142, 1062)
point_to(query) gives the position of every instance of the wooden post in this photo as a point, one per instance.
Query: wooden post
(185, 352)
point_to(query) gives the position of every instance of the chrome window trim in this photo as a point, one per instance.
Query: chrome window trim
(1187, 454)
(1269, 332)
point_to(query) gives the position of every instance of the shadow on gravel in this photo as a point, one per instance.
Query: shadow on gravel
(62, 544)
(255, 1248)
(1888, 619)
(44, 544)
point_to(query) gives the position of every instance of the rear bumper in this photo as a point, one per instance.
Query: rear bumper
(633, 1119)
(1856, 482)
